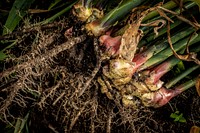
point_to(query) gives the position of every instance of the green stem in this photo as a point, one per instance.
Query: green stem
(150, 37)
(187, 6)
(161, 56)
(162, 69)
(166, 66)
(117, 13)
(51, 19)
(155, 49)
(99, 26)
(168, 5)
(186, 85)
(162, 31)
(181, 76)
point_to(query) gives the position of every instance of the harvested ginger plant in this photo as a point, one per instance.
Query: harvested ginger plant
(129, 68)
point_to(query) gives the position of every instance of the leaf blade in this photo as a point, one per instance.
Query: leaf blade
(17, 12)
(2, 56)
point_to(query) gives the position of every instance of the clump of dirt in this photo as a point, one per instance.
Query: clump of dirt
(52, 76)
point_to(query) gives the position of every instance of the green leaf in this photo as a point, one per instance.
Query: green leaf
(173, 115)
(182, 119)
(17, 125)
(20, 124)
(56, 15)
(178, 117)
(27, 128)
(54, 4)
(181, 66)
(177, 112)
(2, 56)
(17, 12)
